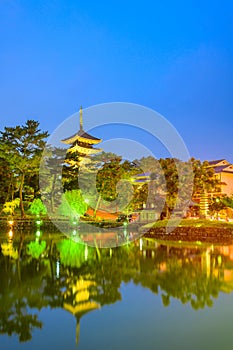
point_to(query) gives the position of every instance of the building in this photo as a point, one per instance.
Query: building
(81, 145)
(223, 171)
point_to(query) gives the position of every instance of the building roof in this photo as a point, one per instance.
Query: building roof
(219, 162)
(146, 174)
(219, 169)
(214, 162)
(82, 136)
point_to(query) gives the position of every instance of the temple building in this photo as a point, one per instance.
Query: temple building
(223, 171)
(81, 145)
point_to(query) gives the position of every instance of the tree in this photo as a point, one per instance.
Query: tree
(9, 207)
(7, 182)
(204, 179)
(72, 204)
(21, 147)
(51, 176)
(37, 207)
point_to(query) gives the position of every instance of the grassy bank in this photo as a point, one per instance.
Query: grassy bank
(191, 223)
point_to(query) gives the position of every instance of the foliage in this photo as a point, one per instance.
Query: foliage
(204, 180)
(7, 182)
(21, 148)
(228, 201)
(216, 205)
(50, 176)
(35, 249)
(9, 250)
(72, 253)
(72, 204)
(37, 207)
(9, 207)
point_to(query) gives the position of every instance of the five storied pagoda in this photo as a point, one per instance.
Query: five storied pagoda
(81, 145)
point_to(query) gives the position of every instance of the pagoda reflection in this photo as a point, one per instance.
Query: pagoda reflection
(78, 299)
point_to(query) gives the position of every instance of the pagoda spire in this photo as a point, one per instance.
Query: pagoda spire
(81, 118)
(81, 143)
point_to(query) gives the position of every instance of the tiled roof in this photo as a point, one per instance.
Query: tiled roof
(213, 162)
(219, 169)
(84, 135)
(146, 174)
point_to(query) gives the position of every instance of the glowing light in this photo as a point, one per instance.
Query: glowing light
(10, 222)
(86, 252)
(57, 268)
(38, 233)
(125, 223)
(38, 222)
(10, 234)
(140, 244)
(74, 232)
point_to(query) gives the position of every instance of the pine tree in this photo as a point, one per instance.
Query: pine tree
(21, 147)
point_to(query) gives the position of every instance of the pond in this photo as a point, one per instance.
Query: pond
(147, 294)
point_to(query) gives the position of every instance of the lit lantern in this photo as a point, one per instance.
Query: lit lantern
(11, 222)
(10, 234)
(38, 233)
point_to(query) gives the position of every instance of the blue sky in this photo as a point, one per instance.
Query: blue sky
(175, 57)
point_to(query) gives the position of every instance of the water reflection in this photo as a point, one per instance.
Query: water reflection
(80, 279)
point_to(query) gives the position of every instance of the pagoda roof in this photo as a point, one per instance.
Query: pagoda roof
(84, 150)
(82, 308)
(81, 136)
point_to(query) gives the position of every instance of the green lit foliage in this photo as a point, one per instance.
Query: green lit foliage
(9, 207)
(73, 254)
(36, 249)
(37, 207)
(72, 204)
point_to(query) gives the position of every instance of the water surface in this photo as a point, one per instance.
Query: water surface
(144, 295)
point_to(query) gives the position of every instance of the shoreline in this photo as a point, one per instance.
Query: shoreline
(192, 234)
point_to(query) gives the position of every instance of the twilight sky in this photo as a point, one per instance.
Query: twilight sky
(174, 56)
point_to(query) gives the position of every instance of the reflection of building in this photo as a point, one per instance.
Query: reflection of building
(77, 300)
(81, 145)
(224, 173)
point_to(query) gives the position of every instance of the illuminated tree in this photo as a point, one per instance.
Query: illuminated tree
(21, 147)
(37, 207)
(72, 204)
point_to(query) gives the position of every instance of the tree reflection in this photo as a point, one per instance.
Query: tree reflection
(79, 279)
(18, 293)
